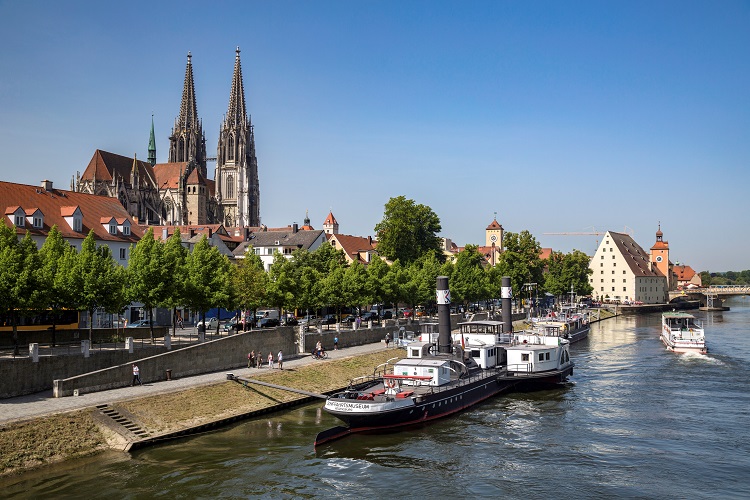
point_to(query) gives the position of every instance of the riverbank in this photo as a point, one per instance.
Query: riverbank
(38, 441)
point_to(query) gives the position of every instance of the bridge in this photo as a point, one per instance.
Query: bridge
(711, 296)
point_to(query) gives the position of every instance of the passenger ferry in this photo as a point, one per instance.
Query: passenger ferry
(681, 332)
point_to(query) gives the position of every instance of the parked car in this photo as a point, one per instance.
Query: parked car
(268, 322)
(329, 319)
(349, 319)
(209, 323)
(232, 325)
(290, 321)
(141, 323)
(369, 316)
(387, 315)
(308, 319)
(406, 313)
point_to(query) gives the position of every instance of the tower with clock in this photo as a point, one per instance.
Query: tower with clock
(660, 256)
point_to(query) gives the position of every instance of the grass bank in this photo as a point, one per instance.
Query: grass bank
(33, 443)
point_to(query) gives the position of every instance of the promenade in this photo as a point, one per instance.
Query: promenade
(42, 403)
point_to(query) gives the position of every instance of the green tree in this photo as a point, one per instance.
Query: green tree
(175, 262)
(520, 260)
(281, 286)
(251, 282)
(469, 282)
(354, 285)
(93, 279)
(149, 277)
(408, 230)
(208, 278)
(51, 256)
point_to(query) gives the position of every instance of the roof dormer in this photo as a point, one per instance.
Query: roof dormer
(123, 225)
(109, 224)
(74, 217)
(16, 215)
(35, 218)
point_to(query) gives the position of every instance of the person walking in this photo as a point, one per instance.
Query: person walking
(270, 360)
(251, 359)
(136, 375)
(335, 343)
(259, 360)
(387, 339)
(279, 358)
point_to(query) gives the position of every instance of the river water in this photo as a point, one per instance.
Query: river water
(636, 421)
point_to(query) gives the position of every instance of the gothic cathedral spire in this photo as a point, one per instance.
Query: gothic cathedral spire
(152, 145)
(187, 142)
(237, 189)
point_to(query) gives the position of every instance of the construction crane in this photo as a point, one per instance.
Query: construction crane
(593, 232)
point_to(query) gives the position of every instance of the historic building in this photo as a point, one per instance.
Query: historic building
(179, 192)
(237, 187)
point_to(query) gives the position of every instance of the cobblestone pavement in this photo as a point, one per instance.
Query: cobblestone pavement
(42, 403)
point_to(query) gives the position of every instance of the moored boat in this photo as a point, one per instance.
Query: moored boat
(573, 327)
(681, 332)
(437, 379)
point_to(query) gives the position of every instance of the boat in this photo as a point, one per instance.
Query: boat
(570, 325)
(681, 332)
(482, 362)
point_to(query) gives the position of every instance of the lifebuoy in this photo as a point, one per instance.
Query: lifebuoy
(390, 383)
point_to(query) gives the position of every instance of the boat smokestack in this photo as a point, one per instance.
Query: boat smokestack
(444, 315)
(506, 295)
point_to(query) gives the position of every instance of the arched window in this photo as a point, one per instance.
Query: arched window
(230, 148)
(230, 186)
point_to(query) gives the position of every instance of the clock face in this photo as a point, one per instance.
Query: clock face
(658, 258)
(493, 238)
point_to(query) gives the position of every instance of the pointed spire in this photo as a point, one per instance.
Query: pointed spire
(188, 107)
(237, 114)
(152, 144)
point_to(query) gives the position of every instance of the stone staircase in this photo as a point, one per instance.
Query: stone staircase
(121, 422)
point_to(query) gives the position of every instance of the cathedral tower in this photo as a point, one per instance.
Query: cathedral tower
(237, 189)
(152, 145)
(187, 141)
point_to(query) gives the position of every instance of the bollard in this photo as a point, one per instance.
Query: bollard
(338, 327)
(169, 374)
(201, 336)
(168, 344)
(129, 344)
(320, 329)
(34, 352)
(369, 324)
(85, 348)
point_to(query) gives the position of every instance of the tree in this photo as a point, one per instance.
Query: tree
(148, 276)
(18, 265)
(251, 282)
(566, 270)
(354, 285)
(51, 257)
(175, 259)
(407, 231)
(93, 279)
(520, 260)
(208, 277)
(469, 281)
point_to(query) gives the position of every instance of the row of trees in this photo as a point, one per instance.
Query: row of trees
(726, 278)
(57, 276)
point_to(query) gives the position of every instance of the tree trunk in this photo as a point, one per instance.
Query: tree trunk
(91, 327)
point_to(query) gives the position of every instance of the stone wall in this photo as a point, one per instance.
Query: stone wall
(26, 337)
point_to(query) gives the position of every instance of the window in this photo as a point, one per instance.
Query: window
(77, 224)
(230, 186)
(525, 356)
(230, 148)
(624, 289)
(623, 271)
(541, 356)
(613, 256)
(602, 272)
(19, 221)
(601, 265)
(624, 280)
(602, 280)
(546, 356)
(37, 222)
(112, 229)
(613, 272)
(126, 230)
(613, 289)
(614, 264)
(122, 254)
(602, 257)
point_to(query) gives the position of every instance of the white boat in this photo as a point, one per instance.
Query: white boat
(681, 332)
(572, 326)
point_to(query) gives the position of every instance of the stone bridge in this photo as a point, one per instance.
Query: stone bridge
(710, 296)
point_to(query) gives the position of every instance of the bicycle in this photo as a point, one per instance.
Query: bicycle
(320, 355)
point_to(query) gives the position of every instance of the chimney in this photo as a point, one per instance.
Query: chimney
(164, 234)
(369, 240)
(47, 185)
(209, 232)
(295, 228)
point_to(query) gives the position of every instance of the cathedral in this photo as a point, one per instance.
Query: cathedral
(179, 192)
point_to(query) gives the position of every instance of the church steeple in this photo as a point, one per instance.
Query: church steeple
(237, 190)
(152, 145)
(187, 142)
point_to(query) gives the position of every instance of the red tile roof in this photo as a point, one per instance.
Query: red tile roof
(168, 174)
(494, 225)
(684, 273)
(57, 204)
(330, 219)
(105, 165)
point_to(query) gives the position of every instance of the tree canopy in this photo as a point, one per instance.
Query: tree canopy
(408, 230)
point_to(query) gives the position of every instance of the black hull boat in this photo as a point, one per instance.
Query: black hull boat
(424, 387)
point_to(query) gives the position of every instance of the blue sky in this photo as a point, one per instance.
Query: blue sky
(559, 116)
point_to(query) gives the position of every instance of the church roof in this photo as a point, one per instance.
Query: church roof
(684, 273)
(494, 225)
(168, 174)
(330, 220)
(57, 204)
(106, 166)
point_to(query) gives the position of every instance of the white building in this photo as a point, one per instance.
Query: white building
(624, 272)
(267, 242)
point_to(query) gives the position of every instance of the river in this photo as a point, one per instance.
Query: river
(635, 421)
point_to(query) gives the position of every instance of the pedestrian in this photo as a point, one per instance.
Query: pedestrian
(259, 360)
(387, 339)
(251, 359)
(335, 343)
(136, 375)
(270, 360)
(279, 359)
(358, 322)
(180, 323)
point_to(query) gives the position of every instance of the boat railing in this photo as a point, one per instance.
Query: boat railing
(520, 368)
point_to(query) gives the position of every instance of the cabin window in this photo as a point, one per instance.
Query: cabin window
(525, 356)
(541, 356)
(546, 356)
(415, 353)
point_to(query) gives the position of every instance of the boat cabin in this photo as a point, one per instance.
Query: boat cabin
(487, 356)
(428, 332)
(477, 333)
(679, 321)
(427, 370)
(531, 357)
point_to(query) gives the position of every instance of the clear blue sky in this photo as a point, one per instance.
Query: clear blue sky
(559, 116)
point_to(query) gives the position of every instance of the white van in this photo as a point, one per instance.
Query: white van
(267, 313)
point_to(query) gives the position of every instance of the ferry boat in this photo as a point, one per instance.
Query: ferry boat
(681, 332)
(427, 385)
(571, 326)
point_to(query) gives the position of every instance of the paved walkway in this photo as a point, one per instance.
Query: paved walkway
(42, 403)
